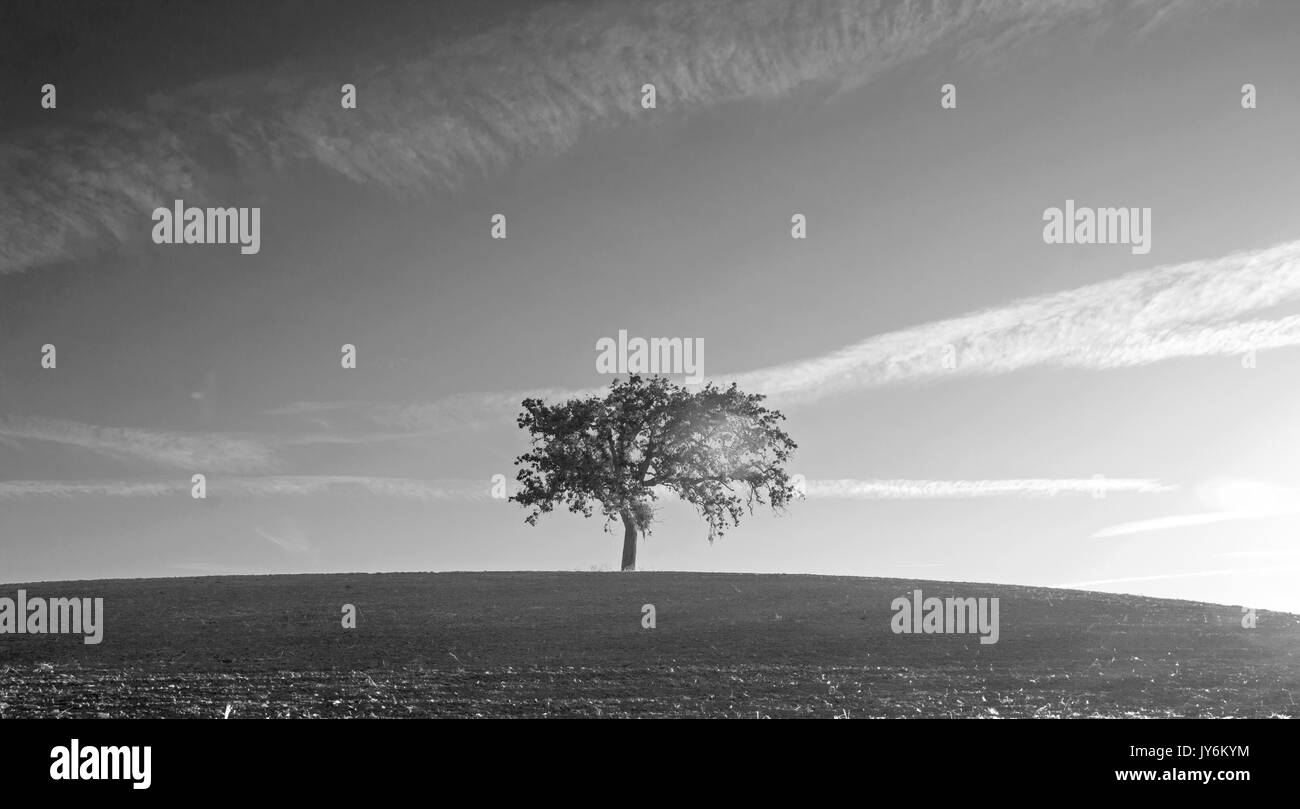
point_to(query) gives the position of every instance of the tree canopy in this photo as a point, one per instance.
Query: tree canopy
(716, 448)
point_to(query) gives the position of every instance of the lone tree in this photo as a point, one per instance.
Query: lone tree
(612, 452)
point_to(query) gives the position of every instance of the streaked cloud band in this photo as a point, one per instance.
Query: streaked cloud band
(1190, 309)
(428, 121)
(481, 490)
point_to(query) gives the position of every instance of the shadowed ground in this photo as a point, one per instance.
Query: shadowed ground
(572, 644)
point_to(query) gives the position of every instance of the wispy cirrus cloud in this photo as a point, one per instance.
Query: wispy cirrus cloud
(290, 537)
(471, 107)
(24, 489)
(1233, 498)
(1195, 574)
(1170, 522)
(1179, 310)
(401, 488)
(469, 411)
(963, 489)
(263, 486)
(460, 489)
(215, 452)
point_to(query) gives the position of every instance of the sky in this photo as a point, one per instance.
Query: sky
(1110, 420)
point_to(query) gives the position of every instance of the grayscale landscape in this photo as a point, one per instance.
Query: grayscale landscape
(532, 644)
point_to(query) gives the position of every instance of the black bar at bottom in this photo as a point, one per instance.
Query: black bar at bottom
(336, 758)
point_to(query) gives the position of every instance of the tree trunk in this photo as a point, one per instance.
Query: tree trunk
(629, 541)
